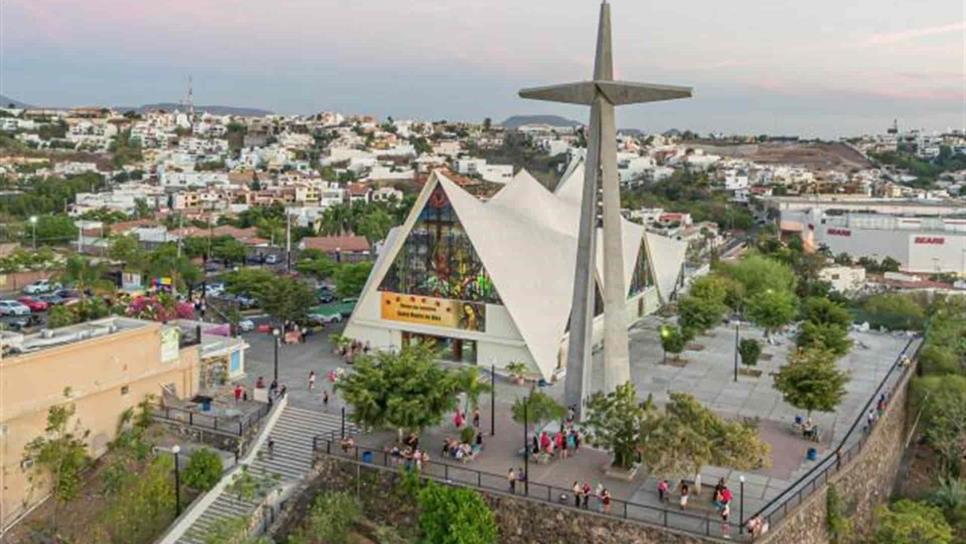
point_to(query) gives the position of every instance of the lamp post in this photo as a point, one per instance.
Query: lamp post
(526, 445)
(33, 225)
(276, 333)
(343, 422)
(741, 504)
(175, 450)
(492, 399)
(664, 333)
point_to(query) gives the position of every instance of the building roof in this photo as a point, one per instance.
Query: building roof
(358, 189)
(349, 243)
(526, 237)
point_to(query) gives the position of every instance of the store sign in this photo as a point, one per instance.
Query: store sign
(839, 232)
(930, 240)
(170, 343)
(437, 312)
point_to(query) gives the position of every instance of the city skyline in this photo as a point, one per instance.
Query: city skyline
(820, 69)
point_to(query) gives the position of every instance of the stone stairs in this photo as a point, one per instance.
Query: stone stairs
(288, 463)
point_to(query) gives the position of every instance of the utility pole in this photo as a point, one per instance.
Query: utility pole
(180, 232)
(288, 242)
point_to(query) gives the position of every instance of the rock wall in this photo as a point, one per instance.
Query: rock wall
(863, 483)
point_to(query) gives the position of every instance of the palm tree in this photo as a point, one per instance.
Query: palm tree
(470, 383)
(85, 275)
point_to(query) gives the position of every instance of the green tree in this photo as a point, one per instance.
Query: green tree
(757, 274)
(838, 524)
(248, 281)
(53, 229)
(910, 522)
(330, 519)
(699, 314)
(286, 299)
(230, 251)
(315, 264)
(810, 381)
(144, 506)
(894, 311)
(126, 249)
(404, 390)
(455, 515)
(540, 408)
(950, 497)
(750, 351)
(471, 384)
(939, 360)
(824, 336)
(350, 278)
(688, 436)
(943, 402)
(673, 339)
(203, 470)
(616, 421)
(374, 225)
(825, 312)
(85, 275)
(771, 309)
(59, 456)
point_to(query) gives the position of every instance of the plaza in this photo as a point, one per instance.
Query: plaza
(708, 375)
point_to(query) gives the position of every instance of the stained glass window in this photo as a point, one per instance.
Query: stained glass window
(438, 259)
(641, 278)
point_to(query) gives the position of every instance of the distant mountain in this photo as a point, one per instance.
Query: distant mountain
(517, 121)
(5, 101)
(214, 109)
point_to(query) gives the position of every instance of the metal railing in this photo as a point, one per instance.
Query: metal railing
(847, 449)
(237, 425)
(707, 523)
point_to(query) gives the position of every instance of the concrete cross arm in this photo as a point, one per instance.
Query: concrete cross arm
(616, 92)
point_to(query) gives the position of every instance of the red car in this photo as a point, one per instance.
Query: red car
(34, 304)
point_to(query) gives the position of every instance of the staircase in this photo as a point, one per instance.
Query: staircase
(291, 460)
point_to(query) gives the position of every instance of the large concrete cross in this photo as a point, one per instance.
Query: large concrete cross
(601, 94)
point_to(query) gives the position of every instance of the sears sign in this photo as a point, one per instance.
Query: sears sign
(930, 240)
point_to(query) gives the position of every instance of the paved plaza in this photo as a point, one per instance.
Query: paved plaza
(708, 375)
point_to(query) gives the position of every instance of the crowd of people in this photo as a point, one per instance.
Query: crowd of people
(352, 349)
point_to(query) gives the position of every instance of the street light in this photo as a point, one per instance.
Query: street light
(526, 445)
(276, 333)
(741, 504)
(33, 223)
(175, 450)
(492, 399)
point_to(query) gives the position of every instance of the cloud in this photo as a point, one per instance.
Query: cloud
(887, 38)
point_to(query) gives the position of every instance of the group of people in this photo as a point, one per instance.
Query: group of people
(563, 443)
(275, 391)
(582, 493)
(462, 451)
(409, 454)
(352, 349)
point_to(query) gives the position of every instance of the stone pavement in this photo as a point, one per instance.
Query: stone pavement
(708, 375)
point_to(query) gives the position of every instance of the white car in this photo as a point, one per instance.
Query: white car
(272, 258)
(40, 286)
(246, 325)
(12, 307)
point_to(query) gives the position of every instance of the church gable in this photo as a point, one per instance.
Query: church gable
(437, 258)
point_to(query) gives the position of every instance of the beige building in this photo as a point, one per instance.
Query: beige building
(109, 365)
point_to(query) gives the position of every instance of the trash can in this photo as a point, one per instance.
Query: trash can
(811, 454)
(798, 420)
(206, 405)
(367, 457)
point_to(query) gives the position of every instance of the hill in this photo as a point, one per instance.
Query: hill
(517, 121)
(212, 109)
(5, 101)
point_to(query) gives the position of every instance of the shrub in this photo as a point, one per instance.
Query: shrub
(750, 351)
(204, 469)
(455, 515)
(910, 522)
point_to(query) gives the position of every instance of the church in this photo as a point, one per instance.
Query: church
(491, 282)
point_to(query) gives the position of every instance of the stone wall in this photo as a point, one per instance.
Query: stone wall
(863, 483)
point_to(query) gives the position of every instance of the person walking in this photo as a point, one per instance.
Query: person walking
(585, 494)
(662, 490)
(511, 477)
(578, 491)
(476, 418)
(685, 491)
(311, 380)
(325, 399)
(725, 525)
(271, 446)
(605, 501)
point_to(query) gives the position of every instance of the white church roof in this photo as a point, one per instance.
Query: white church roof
(526, 238)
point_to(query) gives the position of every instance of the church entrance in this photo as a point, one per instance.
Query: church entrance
(457, 350)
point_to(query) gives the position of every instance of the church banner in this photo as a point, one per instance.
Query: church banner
(437, 312)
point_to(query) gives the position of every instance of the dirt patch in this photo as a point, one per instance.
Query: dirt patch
(812, 155)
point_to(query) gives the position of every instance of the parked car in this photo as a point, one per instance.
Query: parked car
(215, 289)
(245, 301)
(272, 258)
(325, 296)
(52, 299)
(35, 304)
(68, 294)
(40, 286)
(246, 325)
(13, 307)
